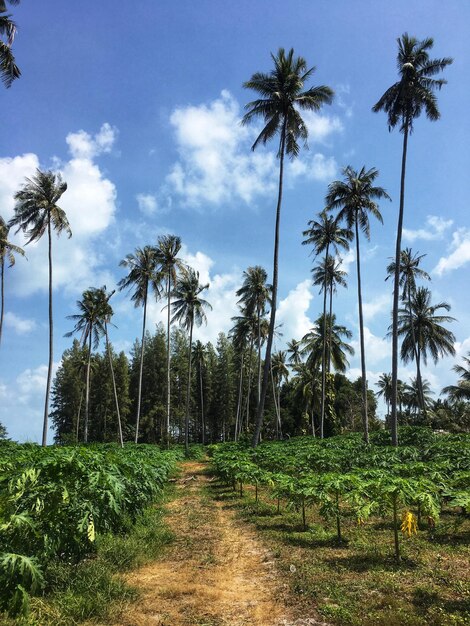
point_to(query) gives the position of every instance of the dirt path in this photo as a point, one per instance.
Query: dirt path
(215, 573)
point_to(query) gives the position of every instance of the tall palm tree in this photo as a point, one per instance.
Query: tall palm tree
(94, 310)
(312, 344)
(37, 211)
(199, 357)
(282, 95)
(7, 251)
(294, 352)
(323, 234)
(240, 332)
(307, 383)
(403, 102)
(416, 392)
(423, 333)
(409, 271)
(460, 391)
(385, 390)
(254, 295)
(107, 315)
(279, 373)
(188, 309)
(354, 198)
(170, 265)
(9, 71)
(143, 277)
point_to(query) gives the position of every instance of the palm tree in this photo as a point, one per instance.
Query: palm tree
(323, 234)
(460, 391)
(188, 309)
(279, 372)
(94, 310)
(294, 352)
(143, 277)
(240, 333)
(307, 383)
(254, 294)
(409, 271)
(355, 197)
(37, 211)
(9, 71)
(282, 95)
(313, 344)
(417, 392)
(385, 390)
(199, 357)
(423, 333)
(7, 251)
(404, 102)
(167, 250)
(107, 315)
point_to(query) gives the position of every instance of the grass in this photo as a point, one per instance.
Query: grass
(359, 582)
(93, 589)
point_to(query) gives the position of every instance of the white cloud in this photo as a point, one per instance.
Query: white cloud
(292, 312)
(316, 167)
(380, 304)
(216, 164)
(147, 203)
(90, 205)
(460, 254)
(13, 171)
(320, 126)
(82, 145)
(19, 325)
(347, 259)
(376, 348)
(434, 229)
(31, 383)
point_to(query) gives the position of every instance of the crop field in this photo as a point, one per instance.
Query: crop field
(370, 534)
(56, 503)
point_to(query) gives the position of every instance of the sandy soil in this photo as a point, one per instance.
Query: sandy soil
(215, 573)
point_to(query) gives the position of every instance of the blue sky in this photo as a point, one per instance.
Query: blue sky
(139, 107)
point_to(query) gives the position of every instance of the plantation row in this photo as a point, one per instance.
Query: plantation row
(54, 502)
(347, 478)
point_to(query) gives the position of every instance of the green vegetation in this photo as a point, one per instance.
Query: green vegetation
(57, 504)
(332, 509)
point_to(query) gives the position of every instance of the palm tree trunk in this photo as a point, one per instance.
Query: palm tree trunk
(188, 389)
(78, 415)
(276, 408)
(87, 390)
(328, 354)
(323, 356)
(51, 341)
(259, 354)
(2, 305)
(240, 394)
(249, 386)
(203, 426)
(168, 378)
(139, 392)
(272, 321)
(396, 287)
(110, 358)
(365, 418)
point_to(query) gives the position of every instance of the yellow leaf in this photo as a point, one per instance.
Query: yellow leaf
(409, 524)
(91, 529)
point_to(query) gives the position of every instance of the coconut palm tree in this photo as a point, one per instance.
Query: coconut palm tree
(37, 211)
(385, 390)
(170, 265)
(294, 352)
(324, 234)
(423, 333)
(355, 198)
(279, 373)
(307, 383)
(460, 391)
(409, 271)
(7, 251)
(415, 392)
(254, 295)
(143, 277)
(312, 344)
(189, 308)
(404, 102)
(199, 358)
(94, 311)
(9, 71)
(240, 332)
(282, 95)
